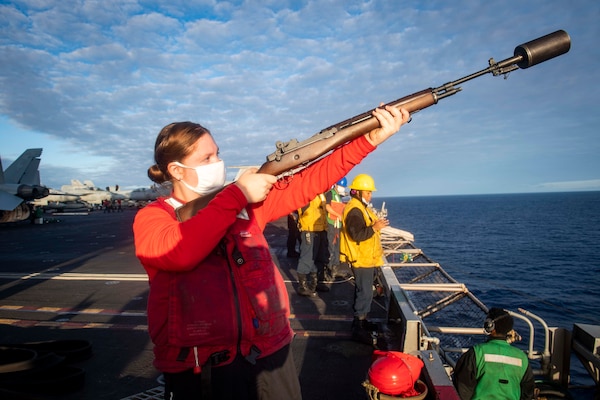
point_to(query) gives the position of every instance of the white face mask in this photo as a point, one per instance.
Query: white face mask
(370, 205)
(210, 177)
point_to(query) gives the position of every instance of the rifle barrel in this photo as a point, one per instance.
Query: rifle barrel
(525, 55)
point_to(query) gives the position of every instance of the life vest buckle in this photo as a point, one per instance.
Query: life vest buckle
(219, 357)
(254, 353)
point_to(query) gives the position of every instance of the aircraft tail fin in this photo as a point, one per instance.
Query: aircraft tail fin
(20, 182)
(24, 169)
(1, 172)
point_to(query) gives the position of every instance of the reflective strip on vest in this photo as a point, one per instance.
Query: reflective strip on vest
(497, 358)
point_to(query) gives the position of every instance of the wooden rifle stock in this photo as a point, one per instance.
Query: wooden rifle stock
(293, 154)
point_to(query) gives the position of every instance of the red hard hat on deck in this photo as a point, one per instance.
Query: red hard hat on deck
(395, 373)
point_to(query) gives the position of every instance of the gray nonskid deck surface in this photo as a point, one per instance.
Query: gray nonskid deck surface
(79, 279)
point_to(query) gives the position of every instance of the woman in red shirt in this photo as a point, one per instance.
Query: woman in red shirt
(218, 307)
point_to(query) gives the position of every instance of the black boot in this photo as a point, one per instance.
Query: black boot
(363, 332)
(293, 254)
(372, 326)
(317, 283)
(338, 272)
(341, 271)
(328, 274)
(303, 286)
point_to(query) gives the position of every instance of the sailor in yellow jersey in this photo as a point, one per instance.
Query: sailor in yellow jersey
(314, 255)
(360, 247)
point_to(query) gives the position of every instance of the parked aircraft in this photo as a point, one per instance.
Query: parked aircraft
(148, 194)
(56, 196)
(58, 200)
(89, 193)
(142, 194)
(19, 184)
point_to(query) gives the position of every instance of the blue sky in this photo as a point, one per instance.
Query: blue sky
(93, 82)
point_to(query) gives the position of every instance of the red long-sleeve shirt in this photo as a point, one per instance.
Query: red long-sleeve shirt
(196, 297)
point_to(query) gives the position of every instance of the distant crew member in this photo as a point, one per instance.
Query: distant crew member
(293, 235)
(335, 213)
(495, 369)
(360, 247)
(312, 221)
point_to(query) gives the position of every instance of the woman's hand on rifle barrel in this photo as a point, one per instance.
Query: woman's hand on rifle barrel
(390, 120)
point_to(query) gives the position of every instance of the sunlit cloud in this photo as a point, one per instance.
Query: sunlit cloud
(94, 82)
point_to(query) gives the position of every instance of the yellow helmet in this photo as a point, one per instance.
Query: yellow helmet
(363, 182)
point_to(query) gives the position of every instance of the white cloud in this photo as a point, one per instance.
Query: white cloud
(592, 184)
(104, 77)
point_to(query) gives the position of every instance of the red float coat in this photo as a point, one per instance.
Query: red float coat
(214, 288)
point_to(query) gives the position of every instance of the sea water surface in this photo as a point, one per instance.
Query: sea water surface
(540, 251)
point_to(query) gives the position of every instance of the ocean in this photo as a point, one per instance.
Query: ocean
(537, 251)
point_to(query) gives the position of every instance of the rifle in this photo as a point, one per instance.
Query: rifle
(294, 155)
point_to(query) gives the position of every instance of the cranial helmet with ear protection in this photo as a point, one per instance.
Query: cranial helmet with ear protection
(489, 325)
(498, 320)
